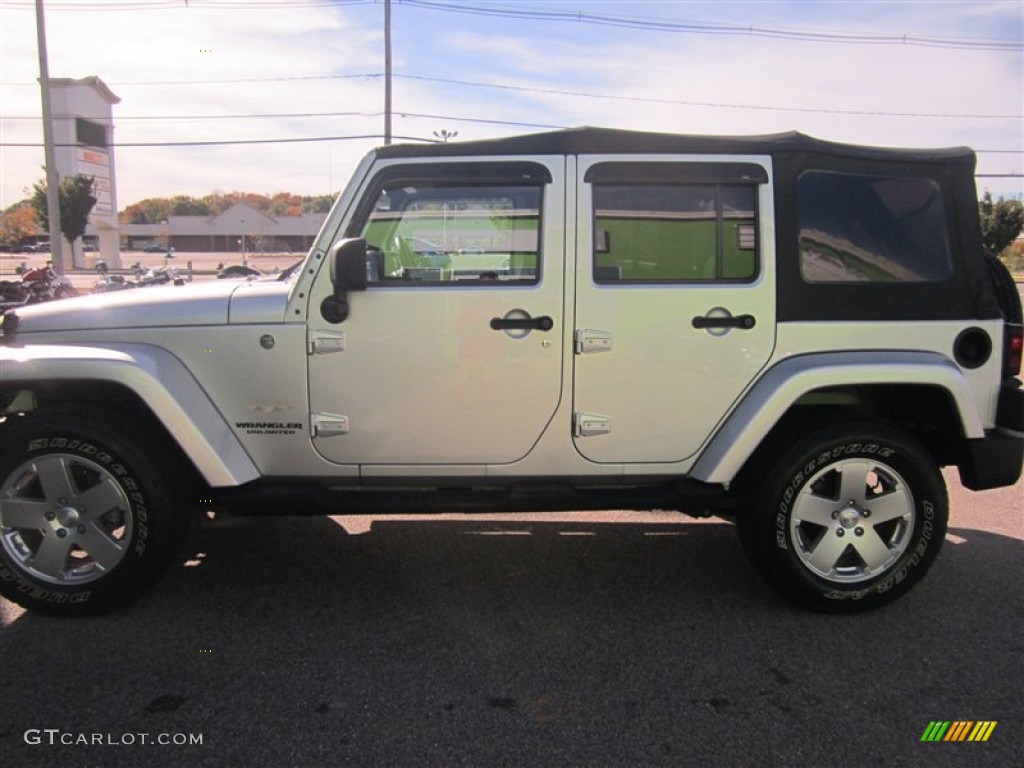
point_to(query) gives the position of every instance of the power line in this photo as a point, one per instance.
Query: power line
(647, 23)
(378, 136)
(717, 105)
(228, 142)
(366, 114)
(183, 5)
(403, 114)
(254, 116)
(584, 94)
(665, 25)
(226, 81)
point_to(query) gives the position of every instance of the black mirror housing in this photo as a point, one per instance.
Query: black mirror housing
(348, 273)
(348, 265)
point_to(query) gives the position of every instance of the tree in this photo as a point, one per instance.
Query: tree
(1001, 222)
(76, 202)
(183, 205)
(17, 224)
(152, 210)
(317, 203)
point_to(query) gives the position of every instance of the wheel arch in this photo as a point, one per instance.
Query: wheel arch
(923, 393)
(143, 380)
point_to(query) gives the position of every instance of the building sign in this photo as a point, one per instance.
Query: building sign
(96, 163)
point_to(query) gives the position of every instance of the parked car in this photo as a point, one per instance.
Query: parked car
(790, 333)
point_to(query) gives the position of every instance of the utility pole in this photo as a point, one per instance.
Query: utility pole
(52, 179)
(387, 71)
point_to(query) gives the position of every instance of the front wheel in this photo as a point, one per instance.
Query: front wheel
(88, 521)
(847, 519)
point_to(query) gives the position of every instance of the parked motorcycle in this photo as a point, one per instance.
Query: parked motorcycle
(36, 285)
(158, 276)
(12, 294)
(234, 271)
(143, 277)
(44, 284)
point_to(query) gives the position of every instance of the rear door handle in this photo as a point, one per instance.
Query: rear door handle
(540, 323)
(743, 322)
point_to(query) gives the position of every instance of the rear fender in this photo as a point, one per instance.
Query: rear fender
(783, 385)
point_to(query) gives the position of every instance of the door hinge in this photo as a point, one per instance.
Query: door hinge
(589, 341)
(328, 424)
(591, 424)
(322, 341)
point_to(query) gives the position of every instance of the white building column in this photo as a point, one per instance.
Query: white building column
(84, 135)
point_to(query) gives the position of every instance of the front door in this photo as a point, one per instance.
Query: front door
(452, 356)
(675, 311)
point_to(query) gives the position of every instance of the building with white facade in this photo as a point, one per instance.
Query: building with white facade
(83, 133)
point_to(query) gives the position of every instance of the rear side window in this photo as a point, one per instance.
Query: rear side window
(674, 232)
(874, 229)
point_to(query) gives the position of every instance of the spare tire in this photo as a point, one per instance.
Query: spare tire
(1005, 289)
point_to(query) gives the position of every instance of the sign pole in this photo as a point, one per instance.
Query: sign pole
(387, 71)
(52, 179)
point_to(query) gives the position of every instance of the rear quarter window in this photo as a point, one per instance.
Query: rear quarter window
(871, 229)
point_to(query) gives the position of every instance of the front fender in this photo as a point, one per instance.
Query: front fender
(778, 390)
(160, 380)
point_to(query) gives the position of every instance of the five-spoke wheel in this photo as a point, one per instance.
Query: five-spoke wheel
(91, 510)
(846, 518)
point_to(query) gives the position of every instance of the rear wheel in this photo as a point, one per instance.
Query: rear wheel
(846, 519)
(88, 519)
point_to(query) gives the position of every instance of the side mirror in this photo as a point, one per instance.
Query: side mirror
(348, 273)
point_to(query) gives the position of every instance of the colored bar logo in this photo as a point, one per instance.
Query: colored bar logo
(958, 730)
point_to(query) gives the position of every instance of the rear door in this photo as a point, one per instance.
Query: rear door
(675, 300)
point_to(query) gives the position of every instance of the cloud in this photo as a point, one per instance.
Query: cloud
(123, 49)
(648, 71)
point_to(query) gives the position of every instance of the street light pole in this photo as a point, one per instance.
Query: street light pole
(387, 71)
(50, 155)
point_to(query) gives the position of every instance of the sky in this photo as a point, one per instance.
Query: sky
(914, 73)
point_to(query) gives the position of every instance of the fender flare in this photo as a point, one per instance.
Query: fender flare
(160, 380)
(764, 405)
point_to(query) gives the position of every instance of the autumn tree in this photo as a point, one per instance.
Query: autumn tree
(183, 205)
(317, 203)
(17, 224)
(285, 204)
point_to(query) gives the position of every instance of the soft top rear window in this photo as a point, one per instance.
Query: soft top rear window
(875, 229)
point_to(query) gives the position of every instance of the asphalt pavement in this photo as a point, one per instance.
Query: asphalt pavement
(629, 639)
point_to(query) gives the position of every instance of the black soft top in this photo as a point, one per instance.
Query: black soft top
(592, 141)
(968, 294)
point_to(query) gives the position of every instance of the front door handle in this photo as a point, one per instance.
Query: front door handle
(743, 322)
(540, 323)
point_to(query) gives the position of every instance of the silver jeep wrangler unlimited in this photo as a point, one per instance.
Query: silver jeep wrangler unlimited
(788, 332)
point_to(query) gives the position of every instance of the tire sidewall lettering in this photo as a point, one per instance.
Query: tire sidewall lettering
(139, 509)
(925, 509)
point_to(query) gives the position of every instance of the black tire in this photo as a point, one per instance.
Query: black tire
(1005, 289)
(826, 551)
(91, 513)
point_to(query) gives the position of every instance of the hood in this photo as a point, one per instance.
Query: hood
(200, 304)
